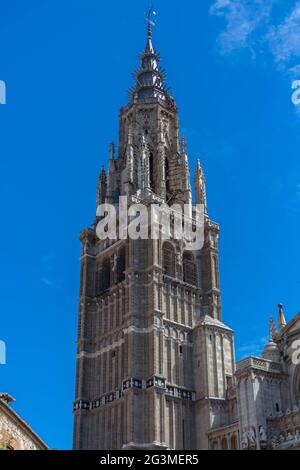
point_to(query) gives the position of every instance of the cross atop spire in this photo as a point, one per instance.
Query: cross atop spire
(150, 21)
(149, 46)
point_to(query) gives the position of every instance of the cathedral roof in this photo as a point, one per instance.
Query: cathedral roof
(292, 327)
(208, 320)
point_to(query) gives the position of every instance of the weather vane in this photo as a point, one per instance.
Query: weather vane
(150, 15)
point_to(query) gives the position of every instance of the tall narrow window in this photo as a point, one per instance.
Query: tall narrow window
(121, 265)
(105, 276)
(116, 196)
(167, 175)
(169, 259)
(81, 279)
(151, 171)
(189, 269)
(215, 271)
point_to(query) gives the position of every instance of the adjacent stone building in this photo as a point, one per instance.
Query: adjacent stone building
(268, 390)
(155, 363)
(15, 433)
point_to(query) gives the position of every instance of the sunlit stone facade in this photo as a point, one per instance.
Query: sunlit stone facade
(155, 362)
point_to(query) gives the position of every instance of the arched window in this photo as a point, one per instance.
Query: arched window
(169, 259)
(233, 442)
(189, 269)
(224, 445)
(121, 265)
(214, 445)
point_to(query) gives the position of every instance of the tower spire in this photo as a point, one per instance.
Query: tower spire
(149, 77)
(272, 330)
(271, 351)
(200, 186)
(281, 317)
(150, 22)
(101, 192)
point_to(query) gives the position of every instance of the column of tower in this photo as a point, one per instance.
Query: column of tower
(144, 304)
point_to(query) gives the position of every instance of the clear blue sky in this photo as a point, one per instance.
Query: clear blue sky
(68, 66)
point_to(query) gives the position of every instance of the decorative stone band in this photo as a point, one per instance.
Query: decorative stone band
(132, 383)
(258, 363)
(152, 446)
(180, 393)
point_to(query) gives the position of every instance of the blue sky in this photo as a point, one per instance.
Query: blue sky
(68, 66)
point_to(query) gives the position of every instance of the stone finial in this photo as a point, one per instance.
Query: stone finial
(185, 167)
(200, 186)
(281, 317)
(144, 165)
(101, 190)
(273, 331)
(6, 398)
(102, 174)
(112, 151)
(130, 137)
(183, 144)
(271, 351)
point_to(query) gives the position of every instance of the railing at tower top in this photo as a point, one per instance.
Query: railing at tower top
(258, 363)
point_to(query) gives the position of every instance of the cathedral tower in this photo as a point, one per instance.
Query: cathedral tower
(154, 360)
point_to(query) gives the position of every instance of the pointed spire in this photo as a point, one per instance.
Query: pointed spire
(111, 183)
(130, 157)
(200, 186)
(183, 145)
(271, 351)
(281, 317)
(185, 167)
(102, 176)
(112, 151)
(149, 77)
(150, 23)
(102, 188)
(272, 330)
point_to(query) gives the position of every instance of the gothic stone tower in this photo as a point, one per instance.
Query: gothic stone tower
(154, 359)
